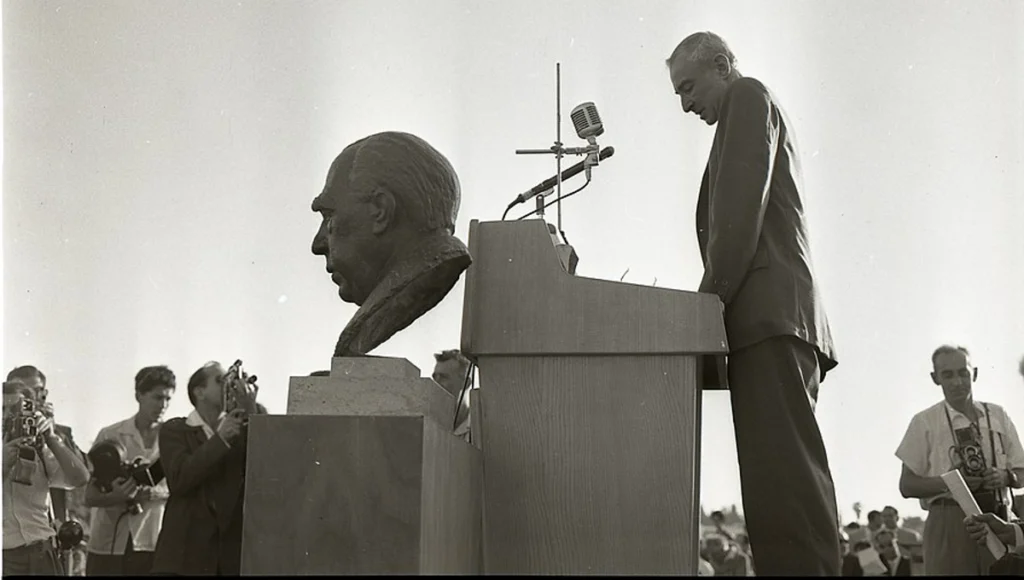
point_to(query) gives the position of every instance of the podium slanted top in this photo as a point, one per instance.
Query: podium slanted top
(521, 301)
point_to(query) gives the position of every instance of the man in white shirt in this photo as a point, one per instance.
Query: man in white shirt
(28, 474)
(122, 542)
(930, 449)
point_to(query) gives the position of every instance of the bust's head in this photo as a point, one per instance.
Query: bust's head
(384, 194)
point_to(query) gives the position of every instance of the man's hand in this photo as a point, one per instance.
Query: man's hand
(124, 489)
(996, 478)
(48, 433)
(973, 483)
(978, 526)
(144, 493)
(231, 425)
(247, 398)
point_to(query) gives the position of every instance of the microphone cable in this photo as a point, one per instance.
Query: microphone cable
(556, 200)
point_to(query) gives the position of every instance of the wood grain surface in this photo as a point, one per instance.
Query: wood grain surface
(590, 464)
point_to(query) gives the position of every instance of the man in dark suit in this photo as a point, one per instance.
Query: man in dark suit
(204, 460)
(754, 244)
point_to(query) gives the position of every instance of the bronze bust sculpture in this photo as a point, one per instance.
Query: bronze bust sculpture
(389, 207)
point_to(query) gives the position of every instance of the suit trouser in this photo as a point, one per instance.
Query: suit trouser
(948, 550)
(789, 499)
(131, 563)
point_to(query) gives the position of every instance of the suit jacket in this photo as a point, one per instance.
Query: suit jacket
(752, 230)
(852, 567)
(59, 498)
(202, 526)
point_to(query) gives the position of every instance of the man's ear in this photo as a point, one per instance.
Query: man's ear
(722, 66)
(935, 379)
(975, 373)
(382, 210)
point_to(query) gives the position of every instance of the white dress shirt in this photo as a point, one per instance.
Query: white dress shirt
(144, 528)
(26, 508)
(927, 446)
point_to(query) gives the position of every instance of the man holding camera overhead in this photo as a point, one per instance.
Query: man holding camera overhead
(204, 457)
(127, 513)
(34, 460)
(979, 440)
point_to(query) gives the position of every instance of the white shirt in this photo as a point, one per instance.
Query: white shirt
(27, 507)
(145, 527)
(927, 446)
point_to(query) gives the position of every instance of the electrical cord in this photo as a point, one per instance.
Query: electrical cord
(556, 200)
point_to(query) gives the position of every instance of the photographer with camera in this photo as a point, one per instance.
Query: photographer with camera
(979, 440)
(34, 378)
(204, 458)
(127, 492)
(35, 459)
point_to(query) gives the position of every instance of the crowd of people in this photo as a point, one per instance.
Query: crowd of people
(171, 504)
(753, 237)
(165, 496)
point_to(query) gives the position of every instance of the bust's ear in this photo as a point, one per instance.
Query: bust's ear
(382, 210)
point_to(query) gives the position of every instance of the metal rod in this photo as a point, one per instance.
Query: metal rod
(558, 141)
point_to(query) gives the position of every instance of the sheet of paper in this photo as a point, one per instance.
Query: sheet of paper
(871, 563)
(963, 496)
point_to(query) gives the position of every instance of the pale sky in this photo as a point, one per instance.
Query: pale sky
(161, 157)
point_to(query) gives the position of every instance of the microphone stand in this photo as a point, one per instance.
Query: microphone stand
(559, 150)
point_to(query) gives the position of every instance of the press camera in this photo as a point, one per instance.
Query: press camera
(110, 463)
(24, 424)
(236, 385)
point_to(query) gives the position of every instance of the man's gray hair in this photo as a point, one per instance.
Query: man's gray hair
(421, 178)
(950, 349)
(702, 47)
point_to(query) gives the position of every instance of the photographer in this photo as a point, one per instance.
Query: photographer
(204, 458)
(34, 378)
(127, 515)
(979, 440)
(32, 464)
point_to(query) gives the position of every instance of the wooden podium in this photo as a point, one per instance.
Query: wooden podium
(589, 410)
(362, 476)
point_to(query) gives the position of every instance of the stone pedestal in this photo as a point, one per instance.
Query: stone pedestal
(362, 476)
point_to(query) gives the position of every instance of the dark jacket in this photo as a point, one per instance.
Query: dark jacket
(60, 499)
(752, 230)
(202, 526)
(852, 567)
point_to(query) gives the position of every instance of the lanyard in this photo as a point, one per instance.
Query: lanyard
(988, 422)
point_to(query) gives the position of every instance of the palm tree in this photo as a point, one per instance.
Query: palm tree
(857, 507)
